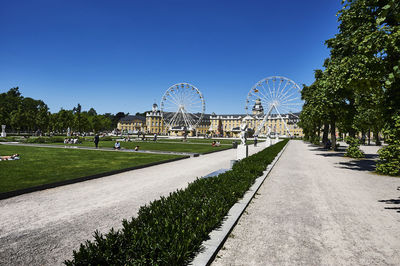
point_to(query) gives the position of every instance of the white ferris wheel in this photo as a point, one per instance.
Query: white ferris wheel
(182, 107)
(273, 95)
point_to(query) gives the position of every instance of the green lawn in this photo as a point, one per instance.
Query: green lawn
(39, 166)
(158, 146)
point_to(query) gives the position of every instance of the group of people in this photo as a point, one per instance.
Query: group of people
(117, 146)
(70, 141)
(215, 143)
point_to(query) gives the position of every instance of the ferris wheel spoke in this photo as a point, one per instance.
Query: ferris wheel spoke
(290, 90)
(288, 97)
(294, 105)
(170, 107)
(264, 96)
(186, 119)
(174, 118)
(174, 98)
(171, 99)
(189, 98)
(193, 102)
(274, 88)
(191, 119)
(283, 89)
(279, 87)
(196, 116)
(269, 95)
(269, 89)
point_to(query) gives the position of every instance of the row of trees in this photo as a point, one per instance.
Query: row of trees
(358, 91)
(28, 115)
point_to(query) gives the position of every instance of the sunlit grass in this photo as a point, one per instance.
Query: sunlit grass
(39, 166)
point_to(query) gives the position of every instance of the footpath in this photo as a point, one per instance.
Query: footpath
(44, 227)
(319, 208)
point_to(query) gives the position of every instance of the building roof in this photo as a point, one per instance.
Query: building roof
(130, 118)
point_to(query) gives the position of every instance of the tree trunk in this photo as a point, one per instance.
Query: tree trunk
(333, 134)
(369, 136)
(352, 133)
(325, 133)
(376, 137)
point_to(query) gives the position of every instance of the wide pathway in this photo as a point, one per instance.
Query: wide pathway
(43, 228)
(318, 208)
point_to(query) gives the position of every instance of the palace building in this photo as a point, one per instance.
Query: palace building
(226, 125)
(132, 124)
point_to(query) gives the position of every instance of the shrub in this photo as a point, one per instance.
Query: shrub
(389, 156)
(169, 231)
(7, 139)
(353, 150)
(35, 140)
(315, 140)
(106, 138)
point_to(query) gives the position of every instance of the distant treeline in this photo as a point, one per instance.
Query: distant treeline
(24, 114)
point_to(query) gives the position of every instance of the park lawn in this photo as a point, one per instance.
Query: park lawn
(158, 146)
(39, 166)
(200, 140)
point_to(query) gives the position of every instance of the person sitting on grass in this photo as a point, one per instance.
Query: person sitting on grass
(9, 157)
(117, 145)
(217, 144)
(136, 148)
(213, 143)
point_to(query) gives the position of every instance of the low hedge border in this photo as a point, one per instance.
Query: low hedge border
(170, 231)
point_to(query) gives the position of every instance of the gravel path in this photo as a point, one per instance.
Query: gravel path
(42, 228)
(318, 208)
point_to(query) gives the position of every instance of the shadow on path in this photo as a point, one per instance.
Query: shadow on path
(392, 201)
(359, 165)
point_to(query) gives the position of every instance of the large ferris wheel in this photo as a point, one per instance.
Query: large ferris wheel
(182, 107)
(278, 95)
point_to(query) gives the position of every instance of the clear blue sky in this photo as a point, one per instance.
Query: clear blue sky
(122, 55)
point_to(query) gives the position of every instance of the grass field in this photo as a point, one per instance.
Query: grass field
(159, 146)
(39, 166)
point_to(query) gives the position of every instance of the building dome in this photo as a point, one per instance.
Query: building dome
(155, 107)
(258, 109)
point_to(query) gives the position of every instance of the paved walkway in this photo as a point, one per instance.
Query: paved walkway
(318, 208)
(44, 227)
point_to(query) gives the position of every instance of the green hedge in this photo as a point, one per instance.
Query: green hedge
(169, 231)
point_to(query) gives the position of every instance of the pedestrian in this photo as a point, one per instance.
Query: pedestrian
(96, 140)
(117, 145)
(155, 137)
(255, 141)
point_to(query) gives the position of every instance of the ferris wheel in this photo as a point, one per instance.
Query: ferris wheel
(278, 95)
(182, 107)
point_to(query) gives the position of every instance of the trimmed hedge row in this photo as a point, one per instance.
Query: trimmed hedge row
(169, 231)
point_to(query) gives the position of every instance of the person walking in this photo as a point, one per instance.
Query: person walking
(96, 140)
(255, 141)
